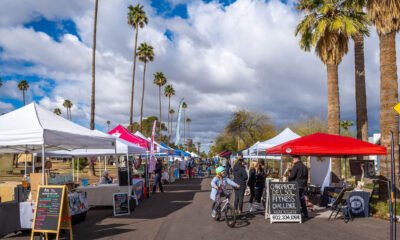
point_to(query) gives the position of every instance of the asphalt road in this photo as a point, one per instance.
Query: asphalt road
(183, 212)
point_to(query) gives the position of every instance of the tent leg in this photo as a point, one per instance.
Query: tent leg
(26, 166)
(43, 158)
(73, 169)
(129, 179)
(33, 163)
(77, 171)
(280, 168)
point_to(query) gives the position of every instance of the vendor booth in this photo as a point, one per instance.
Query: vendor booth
(322, 146)
(33, 129)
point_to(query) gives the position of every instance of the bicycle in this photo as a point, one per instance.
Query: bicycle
(226, 209)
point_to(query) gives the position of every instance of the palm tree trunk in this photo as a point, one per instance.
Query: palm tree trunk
(133, 79)
(361, 96)
(334, 113)
(159, 98)
(23, 96)
(93, 102)
(389, 97)
(169, 117)
(70, 114)
(141, 105)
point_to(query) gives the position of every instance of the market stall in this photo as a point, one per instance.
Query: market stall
(32, 129)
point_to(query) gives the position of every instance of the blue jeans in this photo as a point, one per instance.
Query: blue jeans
(157, 181)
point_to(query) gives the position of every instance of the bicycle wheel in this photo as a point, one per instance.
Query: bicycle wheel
(217, 213)
(230, 216)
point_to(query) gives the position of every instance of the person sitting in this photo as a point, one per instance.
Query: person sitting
(105, 178)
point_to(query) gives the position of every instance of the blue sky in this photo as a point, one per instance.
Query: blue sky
(220, 56)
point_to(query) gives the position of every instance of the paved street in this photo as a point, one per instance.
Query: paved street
(183, 212)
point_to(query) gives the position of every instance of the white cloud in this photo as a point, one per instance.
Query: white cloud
(222, 59)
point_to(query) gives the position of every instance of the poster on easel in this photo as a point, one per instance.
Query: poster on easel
(283, 203)
(51, 212)
(121, 204)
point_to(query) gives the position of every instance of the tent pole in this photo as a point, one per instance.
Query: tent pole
(280, 168)
(33, 162)
(129, 179)
(26, 166)
(77, 171)
(43, 157)
(105, 163)
(73, 169)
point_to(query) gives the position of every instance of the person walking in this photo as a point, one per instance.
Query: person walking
(182, 168)
(190, 167)
(240, 177)
(158, 175)
(299, 174)
(260, 175)
(251, 183)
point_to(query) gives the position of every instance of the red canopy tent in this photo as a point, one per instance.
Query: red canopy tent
(124, 133)
(225, 154)
(320, 144)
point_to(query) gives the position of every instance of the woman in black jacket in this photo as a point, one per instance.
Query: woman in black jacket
(260, 177)
(252, 184)
(240, 177)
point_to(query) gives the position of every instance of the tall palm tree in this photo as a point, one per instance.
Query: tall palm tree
(93, 97)
(188, 122)
(198, 147)
(108, 125)
(327, 26)
(184, 107)
(57, 111)
(159, 80)
(137, 19)
(385, 15)
(169, 91)
(145, 54)
(68, 105)
(23, 86)
(171, 116)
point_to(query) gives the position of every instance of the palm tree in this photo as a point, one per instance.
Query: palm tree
(68, 105)
(159, 80)
(23, 86)
(184, 106)
(198, 147)
(169, 91)
(145, 54)
(108, 125)
(57, 111)
(188, 121)
(385, 15)
(93, 97)
(171, 116)
(137, 19)
(327, 26)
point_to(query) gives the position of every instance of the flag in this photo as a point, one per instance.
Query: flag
(152, 166)
(178, 124)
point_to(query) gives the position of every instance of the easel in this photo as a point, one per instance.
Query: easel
(64, 220)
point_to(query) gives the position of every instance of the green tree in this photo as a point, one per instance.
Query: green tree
(328, 27)
(171, 117)
(93, 96)
(309, 126)
(188, 122)
(145, 54)
(57, 111)
(137, 19)
(147, 127)
(159, 80)
(23, 86)
(385, 15)
(346, 125)
(169, 91)
(68, 105)
(184, 107)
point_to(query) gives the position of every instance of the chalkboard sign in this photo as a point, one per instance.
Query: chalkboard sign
(52, 211)
(121, 204)
(284, 203)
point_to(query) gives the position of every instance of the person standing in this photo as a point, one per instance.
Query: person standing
(158, 175)
(260, 175)
(251, 183)
(299, 174)
(240, 177)
(190, 167)
(228, 168)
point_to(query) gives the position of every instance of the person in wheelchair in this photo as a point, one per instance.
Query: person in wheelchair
(218, 188)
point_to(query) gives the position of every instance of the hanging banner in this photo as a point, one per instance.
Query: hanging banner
(152, 166)
(178, 124)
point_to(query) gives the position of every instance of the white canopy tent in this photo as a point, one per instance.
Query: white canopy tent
(160, 148)
(258, 150)
(32, 129)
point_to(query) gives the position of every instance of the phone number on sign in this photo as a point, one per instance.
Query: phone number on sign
(289, 217)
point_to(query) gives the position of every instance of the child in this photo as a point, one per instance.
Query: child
(218, 187)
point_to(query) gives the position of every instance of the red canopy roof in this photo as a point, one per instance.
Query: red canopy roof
(124, 133)
(225, 154)
(320, 144)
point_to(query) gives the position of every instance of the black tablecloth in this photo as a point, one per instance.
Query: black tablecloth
(9, 218)
(359, 203)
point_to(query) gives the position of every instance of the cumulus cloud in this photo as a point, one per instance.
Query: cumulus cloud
(241, 56)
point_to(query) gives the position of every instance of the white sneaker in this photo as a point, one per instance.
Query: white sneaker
(251, 207)
(213, 213)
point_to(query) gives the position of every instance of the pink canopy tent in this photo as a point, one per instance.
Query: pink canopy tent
(123, 133)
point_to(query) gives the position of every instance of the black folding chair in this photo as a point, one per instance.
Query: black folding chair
(340, 204)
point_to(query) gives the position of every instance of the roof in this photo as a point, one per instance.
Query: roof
(320, 144)
(286, 135)
(123, 133)
(31, 126)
